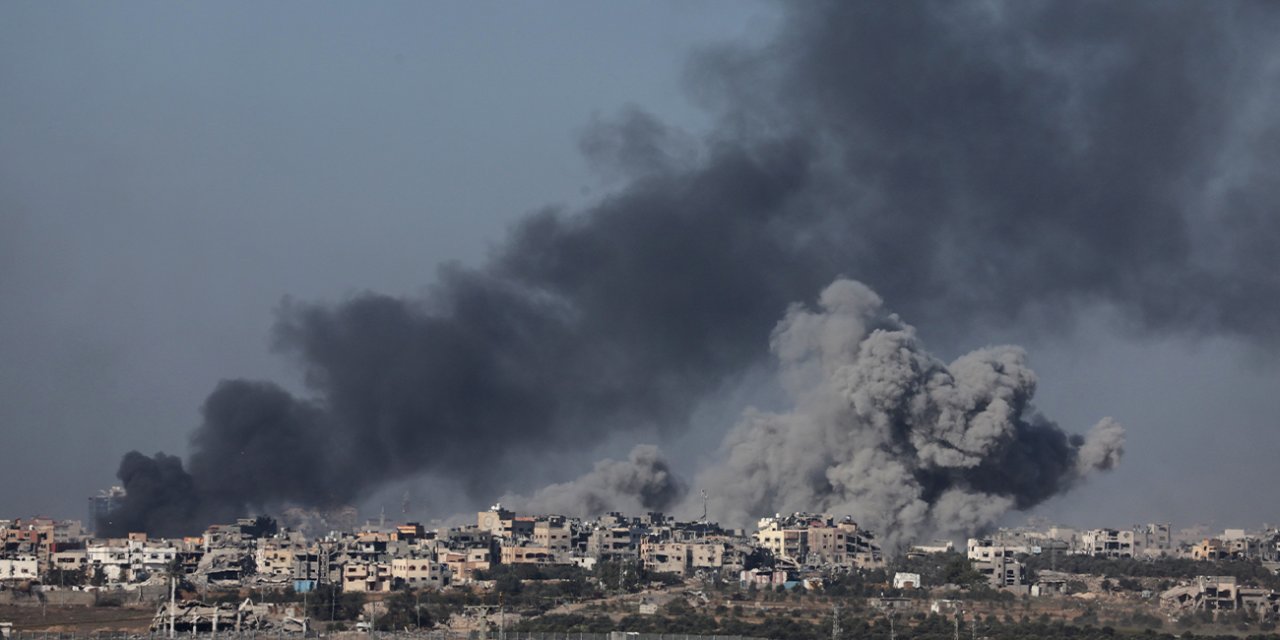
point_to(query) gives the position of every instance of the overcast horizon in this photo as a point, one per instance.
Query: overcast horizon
(174, 177)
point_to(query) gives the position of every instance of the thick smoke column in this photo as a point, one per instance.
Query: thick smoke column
(159, 499)
(904, 442)
(977, 163)
(258, 445)
(643, 482)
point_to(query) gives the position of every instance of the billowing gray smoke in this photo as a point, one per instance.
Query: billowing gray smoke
(976, 163)
(641, 483)
(885, 432)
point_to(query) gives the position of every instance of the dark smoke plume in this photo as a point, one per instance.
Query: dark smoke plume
(643, 482)
(976, 163)
(159, 499)
(885, 432)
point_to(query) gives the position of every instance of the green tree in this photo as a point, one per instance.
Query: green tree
(508, 584)
(403, 612)
(329, 602)
(959, 570)
(619, 574)
(65, 577)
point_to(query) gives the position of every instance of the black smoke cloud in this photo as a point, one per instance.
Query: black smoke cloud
(975, 163)
(159, 499)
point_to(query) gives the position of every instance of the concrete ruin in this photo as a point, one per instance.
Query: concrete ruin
(1221, 593)
(193, 616)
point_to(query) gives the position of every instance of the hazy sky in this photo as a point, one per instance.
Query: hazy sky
(169, 173)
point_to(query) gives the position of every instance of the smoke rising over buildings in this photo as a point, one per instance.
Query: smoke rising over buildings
(889, 434)
(641, 483)
(976, 164)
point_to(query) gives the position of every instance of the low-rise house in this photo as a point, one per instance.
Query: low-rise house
(1269, 549)
(150, 557)
(532, 554)
(109, 559)
(19, 567)
(1050, 583)
(221, 536)
(817, 540)
(366, 577)
(1205, 593)
(666, 557)
(612, 543)
(1209, 549)
(552, 533)
(1108, 543)
(71, 560)
(936, 546)
(464, 564)
(275, 559)
(1153, 540)
(996, 562)
(497, 521)
(1260, 602)
(314, 565)
(419, 573)
(1221, 593)
(409, 532)
(902, 580)
(685, 558)
(764, 578)
(224, 566)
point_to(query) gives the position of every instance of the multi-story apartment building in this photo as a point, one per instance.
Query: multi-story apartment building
(1107, 543)
(816, 540)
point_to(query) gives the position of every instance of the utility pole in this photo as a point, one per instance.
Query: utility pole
(324, 566)
(173, 603)
(887, 610)
(835, 622)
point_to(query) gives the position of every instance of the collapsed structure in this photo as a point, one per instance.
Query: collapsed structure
(1222, 593)
(193, 616)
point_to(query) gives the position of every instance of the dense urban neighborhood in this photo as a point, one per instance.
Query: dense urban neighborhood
(796, 575)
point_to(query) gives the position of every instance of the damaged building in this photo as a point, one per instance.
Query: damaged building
(811, 540)
(193, 616)
(997, 563)
(1221, 593)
